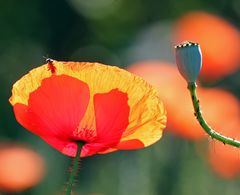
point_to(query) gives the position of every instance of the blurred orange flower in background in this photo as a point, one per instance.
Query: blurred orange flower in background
(220, 108)
(105, 107)
(225, 159)
(20, 168)
(219, 40)
(166, 77)
(221, 105)
(217, 105)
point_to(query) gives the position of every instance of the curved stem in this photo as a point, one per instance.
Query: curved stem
(74, 169)
(215, 135)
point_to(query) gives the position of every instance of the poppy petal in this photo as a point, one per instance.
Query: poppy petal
(147, 118)
(125, 145)
(55, 108)
(112, 112)
(149, 130)
(130, 144)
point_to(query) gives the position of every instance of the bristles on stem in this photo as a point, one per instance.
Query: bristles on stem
(213, 134)
(74, 169)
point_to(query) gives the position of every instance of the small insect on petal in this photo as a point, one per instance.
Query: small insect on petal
(51, 67)
(189, 60)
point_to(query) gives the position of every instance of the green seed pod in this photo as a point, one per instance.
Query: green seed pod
(189, 60)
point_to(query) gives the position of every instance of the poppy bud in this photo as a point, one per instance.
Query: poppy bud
(189, 60)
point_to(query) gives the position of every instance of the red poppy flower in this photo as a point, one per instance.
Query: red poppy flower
(106, 107)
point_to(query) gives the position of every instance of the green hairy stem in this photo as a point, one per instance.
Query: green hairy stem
(74, 169)
(213, 134)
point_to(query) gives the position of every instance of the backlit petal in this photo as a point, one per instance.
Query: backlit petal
(119, 110)
(112, 112)
(55, 108)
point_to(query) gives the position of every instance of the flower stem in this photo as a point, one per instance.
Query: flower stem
(213, 134)
(74, 169)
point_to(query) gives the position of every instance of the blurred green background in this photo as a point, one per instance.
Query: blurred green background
(111, 32)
